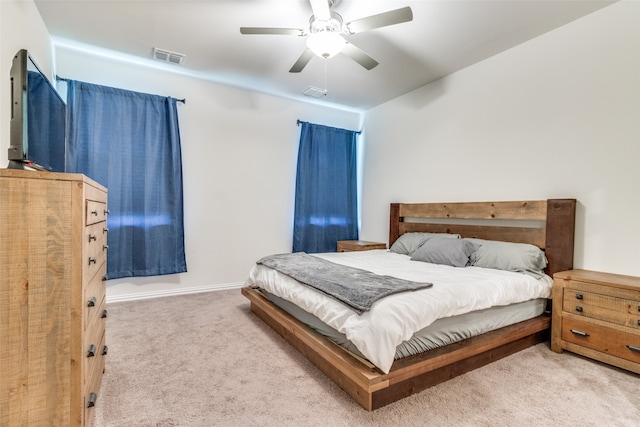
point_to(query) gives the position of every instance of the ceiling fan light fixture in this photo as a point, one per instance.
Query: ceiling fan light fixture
(326, 44)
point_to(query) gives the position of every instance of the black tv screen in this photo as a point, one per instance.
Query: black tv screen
(38, 118)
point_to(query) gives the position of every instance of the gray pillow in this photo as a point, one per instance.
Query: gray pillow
(409, 242)
(519, 257)
(453, 252)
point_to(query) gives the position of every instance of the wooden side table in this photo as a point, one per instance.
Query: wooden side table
(597, 315)
(359, 245)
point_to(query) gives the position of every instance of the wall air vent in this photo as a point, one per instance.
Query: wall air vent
(168, 56)
(314, 92)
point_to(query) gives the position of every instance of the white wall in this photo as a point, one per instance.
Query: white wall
(554, 117)
(239, 158)
(21, 27)
(239, 155)
(558, 116)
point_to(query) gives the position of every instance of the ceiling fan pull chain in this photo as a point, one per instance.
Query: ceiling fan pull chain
(325, 76)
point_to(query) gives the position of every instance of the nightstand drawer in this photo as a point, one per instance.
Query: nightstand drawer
(606, 340)
(620, 311)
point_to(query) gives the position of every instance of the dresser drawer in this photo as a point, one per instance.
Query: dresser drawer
(621, 311)
(93, 298)
(91, 389)
(94, 250)
(95, 314)
(606, 340)
(93, 365)
(95, 235)
(96, 211)
(89, 408)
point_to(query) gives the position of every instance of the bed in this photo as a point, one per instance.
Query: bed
(546, 224)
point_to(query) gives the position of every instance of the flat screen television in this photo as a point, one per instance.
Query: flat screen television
(38, 118)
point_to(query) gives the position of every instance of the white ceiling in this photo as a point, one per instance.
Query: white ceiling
(444, 36)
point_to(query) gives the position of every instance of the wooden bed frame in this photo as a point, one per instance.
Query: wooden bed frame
(549, 224)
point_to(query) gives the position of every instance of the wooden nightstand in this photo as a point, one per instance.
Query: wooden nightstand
(597, 315)
(359, 245)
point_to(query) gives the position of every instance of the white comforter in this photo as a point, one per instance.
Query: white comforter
(396, 318)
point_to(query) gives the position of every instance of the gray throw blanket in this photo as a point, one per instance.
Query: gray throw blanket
(358, 289)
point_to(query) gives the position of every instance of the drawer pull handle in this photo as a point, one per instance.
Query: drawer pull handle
(91, 402)
(104, 314)
(104, 278)
(107, 211)
(94, 212)
(105, 230)
(579, 309)
(579, 296)
(91, 302)
(92, 237)
(105, 350)
(93, 260)
(577, 332)
(92, 351)
(105, 247)
(634, 348)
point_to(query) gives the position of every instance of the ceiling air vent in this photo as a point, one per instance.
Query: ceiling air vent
(168, 56)
(314, 92)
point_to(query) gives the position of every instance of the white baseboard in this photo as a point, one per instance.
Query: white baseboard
(172, 292)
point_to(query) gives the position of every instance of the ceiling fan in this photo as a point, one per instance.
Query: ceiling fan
(326, 30)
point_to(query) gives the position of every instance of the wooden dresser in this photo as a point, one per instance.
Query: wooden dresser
(53, 245)
(597, 315)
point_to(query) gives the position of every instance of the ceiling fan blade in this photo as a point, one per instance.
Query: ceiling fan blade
(359, 56)
(276, 31)
(321, 9)
(384, 19)
(302, 61)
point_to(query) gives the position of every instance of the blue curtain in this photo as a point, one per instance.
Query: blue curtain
(130, 143)
(326, 205)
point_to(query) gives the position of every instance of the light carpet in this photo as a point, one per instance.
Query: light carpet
(205, 360)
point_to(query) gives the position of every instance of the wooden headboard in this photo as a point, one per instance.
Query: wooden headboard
(549, 224)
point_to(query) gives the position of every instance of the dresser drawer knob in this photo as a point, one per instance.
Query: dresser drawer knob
(92, 351)
(104, 278)
(105, 350)
(91, 402)
(579, 309)
(634, 348)
(579, 296)
(93, 260)
(105, 230)
(92, 237)
(107, 211)
(580, 333)
(94, 212)
(91, 302)
(104, 314)
(105, 247)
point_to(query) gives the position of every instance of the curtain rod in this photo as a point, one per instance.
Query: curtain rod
(299, 122)
(62, 79)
